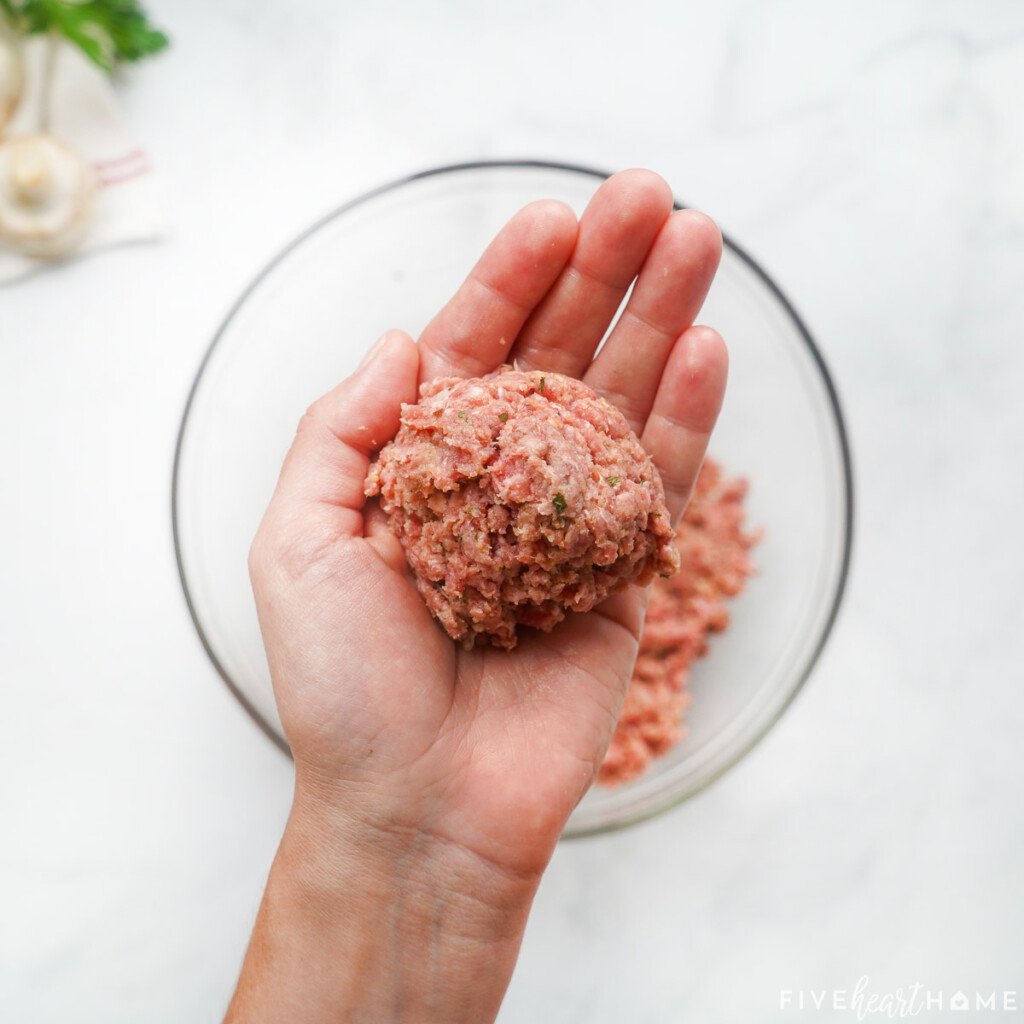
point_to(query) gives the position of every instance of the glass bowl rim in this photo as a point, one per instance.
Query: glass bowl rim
(814, 351)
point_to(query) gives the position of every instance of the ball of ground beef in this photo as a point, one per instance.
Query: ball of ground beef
(517, 498)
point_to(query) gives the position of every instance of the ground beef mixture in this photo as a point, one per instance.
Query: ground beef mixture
(518, 497)
(714, 551)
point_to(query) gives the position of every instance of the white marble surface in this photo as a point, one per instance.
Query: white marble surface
(872, 156)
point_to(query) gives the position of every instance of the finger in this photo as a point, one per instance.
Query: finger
(668, 295)
(616, 230)
(475, 331)
(685, 410)
(327, 463)
(379, 536)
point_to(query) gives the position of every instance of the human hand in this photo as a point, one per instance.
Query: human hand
(451, 771)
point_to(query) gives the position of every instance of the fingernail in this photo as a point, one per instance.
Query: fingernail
(374, 352)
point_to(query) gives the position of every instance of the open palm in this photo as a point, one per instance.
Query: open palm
(484, 750)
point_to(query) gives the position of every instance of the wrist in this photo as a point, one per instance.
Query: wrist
(379, 924)
(336, 846)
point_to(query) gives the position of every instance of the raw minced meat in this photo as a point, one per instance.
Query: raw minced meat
(518, 497)
(714, 550)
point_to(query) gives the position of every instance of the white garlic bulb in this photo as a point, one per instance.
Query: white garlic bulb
(46, 191)
(12, 75)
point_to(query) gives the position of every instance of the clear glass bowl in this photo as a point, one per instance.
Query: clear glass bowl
(391, 258)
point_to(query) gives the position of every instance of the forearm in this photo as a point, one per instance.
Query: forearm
(356, 926)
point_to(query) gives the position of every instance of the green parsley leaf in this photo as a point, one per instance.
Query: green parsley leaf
(463, 415)
(25, 16)
(614, 480)
(108, 32)
(503, 416)
(559, 502)
(541, 388)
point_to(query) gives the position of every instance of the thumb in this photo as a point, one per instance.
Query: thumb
(326, 466)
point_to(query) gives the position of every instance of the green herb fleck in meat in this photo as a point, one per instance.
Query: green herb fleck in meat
(559, 502)
(463, 415)
(541, 388)
(503, 416)
(614, 481)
